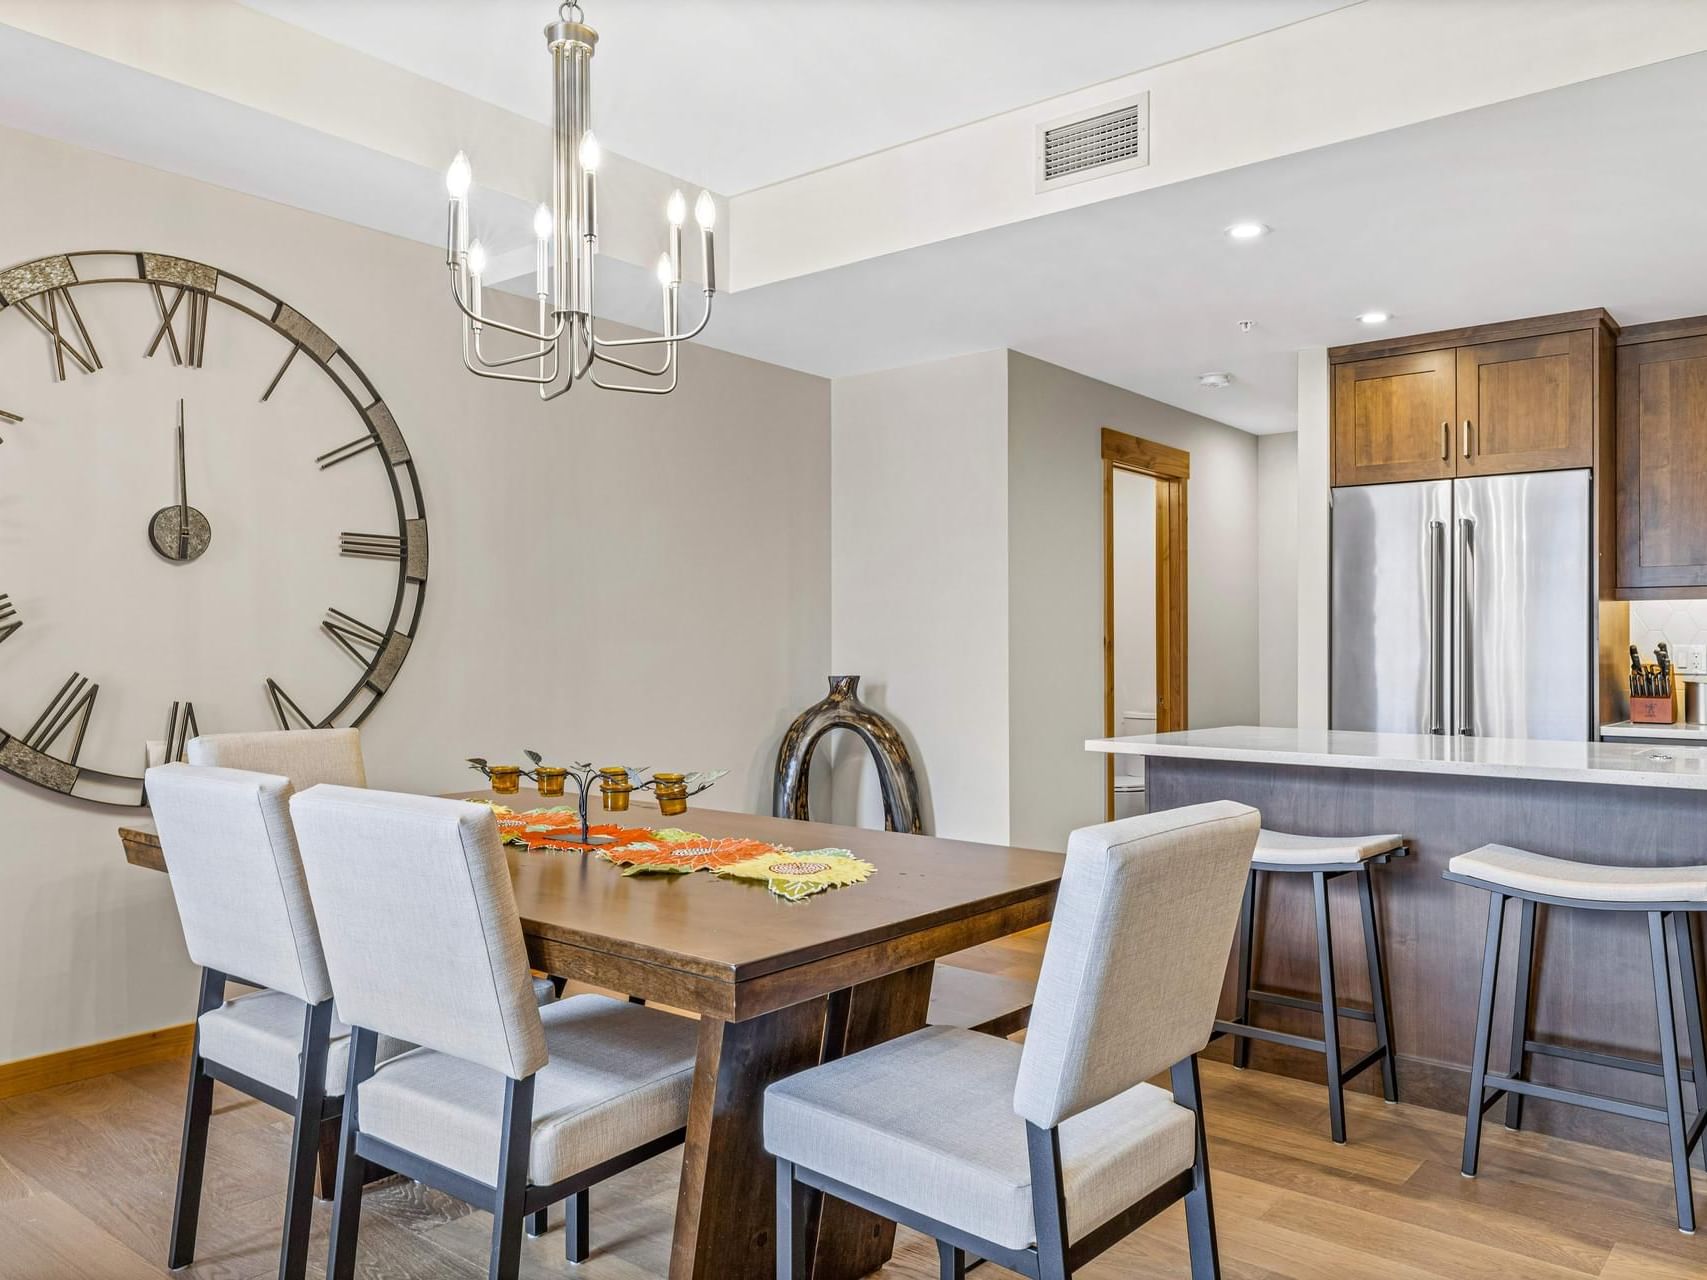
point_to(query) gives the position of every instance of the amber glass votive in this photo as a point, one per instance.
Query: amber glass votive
(549, 779)
(506, 778)
(614, 788)
(672, 793)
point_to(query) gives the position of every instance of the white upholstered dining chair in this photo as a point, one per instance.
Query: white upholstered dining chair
(307, 757)
(506, 1106)
(1040, 1157)
(238, 880)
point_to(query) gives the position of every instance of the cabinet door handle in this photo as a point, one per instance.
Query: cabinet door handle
(1445, 441)
(1466, 437)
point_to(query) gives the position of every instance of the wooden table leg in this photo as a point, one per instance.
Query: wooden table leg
(725, 1210)
(851, 1242)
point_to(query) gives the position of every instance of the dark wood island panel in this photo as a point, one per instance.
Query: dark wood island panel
(1595, 989)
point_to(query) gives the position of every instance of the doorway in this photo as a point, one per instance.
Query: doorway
(1144, 564)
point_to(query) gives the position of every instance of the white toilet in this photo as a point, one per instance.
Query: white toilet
(1129, 799)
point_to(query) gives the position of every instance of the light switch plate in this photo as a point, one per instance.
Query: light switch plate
(1691, 659)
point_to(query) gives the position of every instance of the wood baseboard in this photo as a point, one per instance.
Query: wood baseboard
(87, 1061)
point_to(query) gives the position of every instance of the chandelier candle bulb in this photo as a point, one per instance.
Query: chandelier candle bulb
(459, 177)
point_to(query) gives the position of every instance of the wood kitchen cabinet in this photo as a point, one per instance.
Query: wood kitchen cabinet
(1662, 460)
(1531, 395)
(1393, 418)
(1526, 404)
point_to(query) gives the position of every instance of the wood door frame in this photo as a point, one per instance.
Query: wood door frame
(1170, 468)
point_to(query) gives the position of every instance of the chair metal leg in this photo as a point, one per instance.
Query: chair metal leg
(1689, 974)
(1522, 996)
(1484, 1032)
(508, 1218)
(352, 1169)
(1199, 1203)
(1048, 1202)
(305, 1140)
(790, 1224)
(192, 1151)
(1676, 1126)
(538, 1223)
(1330, 1009)
(1242, 996)
(1379, 1002)
(577, 1227)
(951, 1261)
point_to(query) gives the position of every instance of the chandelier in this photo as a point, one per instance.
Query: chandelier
(566, 346)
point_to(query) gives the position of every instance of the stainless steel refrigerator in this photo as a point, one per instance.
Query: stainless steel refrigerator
(1465, 607)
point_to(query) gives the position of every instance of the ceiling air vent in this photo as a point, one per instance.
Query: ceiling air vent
(1094, 144)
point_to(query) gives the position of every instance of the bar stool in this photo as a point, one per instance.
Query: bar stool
(1322, 858)
(1668, 896)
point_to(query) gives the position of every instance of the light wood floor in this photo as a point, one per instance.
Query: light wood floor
(86, 1176)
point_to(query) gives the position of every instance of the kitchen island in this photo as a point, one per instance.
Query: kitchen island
(1639, 805)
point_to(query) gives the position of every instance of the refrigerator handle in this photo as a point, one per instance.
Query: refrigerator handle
(1436, 625)
(1461, 663)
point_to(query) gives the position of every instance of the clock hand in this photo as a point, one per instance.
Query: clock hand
(183, 492)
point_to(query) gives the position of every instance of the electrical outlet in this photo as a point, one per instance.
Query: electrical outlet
(1691, 659)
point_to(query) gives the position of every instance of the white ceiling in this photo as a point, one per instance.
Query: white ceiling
(741, 93)
(1579, 197)
(1575, 198)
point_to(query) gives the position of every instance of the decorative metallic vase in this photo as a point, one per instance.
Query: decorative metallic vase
(842, 709)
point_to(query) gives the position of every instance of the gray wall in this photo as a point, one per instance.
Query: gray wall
(1055, 582)
(613, 577)
(1277, 577)
(920, 580)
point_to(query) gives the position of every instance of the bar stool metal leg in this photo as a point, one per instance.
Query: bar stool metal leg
(1378, 986)
(1675, 1123)
(1522, 996)
(1330, 1010)
(1484, 1032)
(1683, 926)
(1242, 998)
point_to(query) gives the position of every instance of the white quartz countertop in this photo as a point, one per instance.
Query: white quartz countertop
(1680, 733)
(1611, 763)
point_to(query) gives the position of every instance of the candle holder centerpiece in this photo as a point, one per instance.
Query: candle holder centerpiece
(616, 784)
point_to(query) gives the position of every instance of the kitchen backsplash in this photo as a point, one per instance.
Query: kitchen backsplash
(1673, 621)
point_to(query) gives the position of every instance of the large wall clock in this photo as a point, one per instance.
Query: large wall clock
(209, 519)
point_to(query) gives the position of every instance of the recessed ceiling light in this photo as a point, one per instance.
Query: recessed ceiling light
(1245, 326)
(1375, 317)
(1215, 380)
(1247, 231)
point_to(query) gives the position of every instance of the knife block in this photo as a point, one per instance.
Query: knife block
(1652, 711)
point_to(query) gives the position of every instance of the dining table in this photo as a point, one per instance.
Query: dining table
(778, 986)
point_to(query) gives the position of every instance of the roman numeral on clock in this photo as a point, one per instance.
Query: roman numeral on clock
(79, 345)
(71, 706)
(285, 710)
(371, 546)
(9, 620)
(344, 452)
(180, 728)
(189, 352)
(352, 635)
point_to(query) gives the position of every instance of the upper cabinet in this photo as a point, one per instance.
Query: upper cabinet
(1532, 395)
(1393, 418)
(1526, 404)
(1662, 460)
